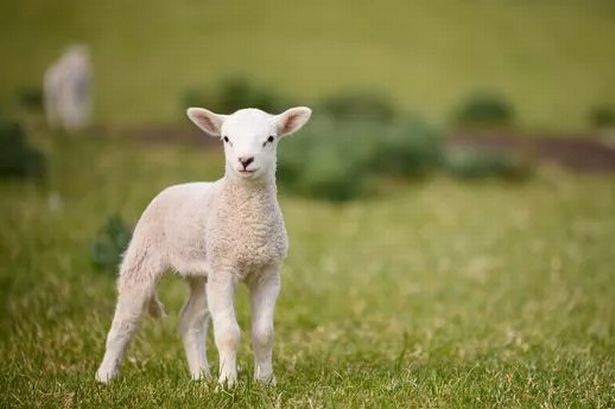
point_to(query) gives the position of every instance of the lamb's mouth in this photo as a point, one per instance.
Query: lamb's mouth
(247, 171)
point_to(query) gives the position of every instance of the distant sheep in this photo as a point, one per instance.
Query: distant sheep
(215, 235)
(67, 90)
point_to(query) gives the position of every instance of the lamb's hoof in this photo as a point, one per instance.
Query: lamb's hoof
(227, 381)
(202, 375)
(105, 375)
(266, 380)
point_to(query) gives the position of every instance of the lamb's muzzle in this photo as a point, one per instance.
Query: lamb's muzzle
(245, 161)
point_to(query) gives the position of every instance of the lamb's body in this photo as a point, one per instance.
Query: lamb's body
(214, 234)
(176, 231)
(170, 234)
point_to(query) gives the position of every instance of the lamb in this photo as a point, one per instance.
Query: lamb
(67, 83)
(215, 235)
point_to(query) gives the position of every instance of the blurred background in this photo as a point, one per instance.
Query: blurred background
(410, 77)
(451, 201)
(552, 61)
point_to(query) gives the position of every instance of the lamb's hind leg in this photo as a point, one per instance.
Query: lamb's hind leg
(136, 290)
(263, 295)
(194, 320)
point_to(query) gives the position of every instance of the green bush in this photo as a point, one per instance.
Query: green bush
(332, 178)
(602, 117)
(30, 99)
(358, 106)
(17, 158)
(335, 160)
(112, 240)
(409, 149)
(322, 162)
(234, 94)
(485, 109)
(476, 164)
(239, 93)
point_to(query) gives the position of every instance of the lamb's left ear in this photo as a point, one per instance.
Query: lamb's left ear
(292, 120)
(208, 121)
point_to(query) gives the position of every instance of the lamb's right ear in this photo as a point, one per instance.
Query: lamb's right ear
(206, 120)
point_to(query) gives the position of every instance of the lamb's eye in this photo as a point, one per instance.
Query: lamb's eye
(269, 140)
(225, 139)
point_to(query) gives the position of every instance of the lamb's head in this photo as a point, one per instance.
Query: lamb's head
(250, 136)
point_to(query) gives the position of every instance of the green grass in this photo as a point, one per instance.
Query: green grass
(434, 294)
(554, 60)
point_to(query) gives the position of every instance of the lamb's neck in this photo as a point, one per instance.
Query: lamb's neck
(262, 190)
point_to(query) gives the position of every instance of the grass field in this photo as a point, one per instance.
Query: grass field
(554, 60)
(433, 294)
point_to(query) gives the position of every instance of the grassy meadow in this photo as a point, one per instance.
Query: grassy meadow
(435, 293)
(441, 281)
(553, 60)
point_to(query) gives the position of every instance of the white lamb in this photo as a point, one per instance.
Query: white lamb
(67, 86)
(215, 235)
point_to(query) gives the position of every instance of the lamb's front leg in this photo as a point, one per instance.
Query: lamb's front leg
(263, 296)
(220, 297)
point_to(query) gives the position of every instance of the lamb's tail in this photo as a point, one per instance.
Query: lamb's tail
(155, 308)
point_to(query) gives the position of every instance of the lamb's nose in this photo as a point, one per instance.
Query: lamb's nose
(245, 161)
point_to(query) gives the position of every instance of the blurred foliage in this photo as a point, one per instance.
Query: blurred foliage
(324, 162)
(475, 164)
(602, 117)
(112, 240)
(30, 98)
(409, 149)
(17, 157)
(234, 94)
(337, 160)
(334, 160)
(237, 93)
(433, 53)
(359, 105)
(485, 109)
(358, 135)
